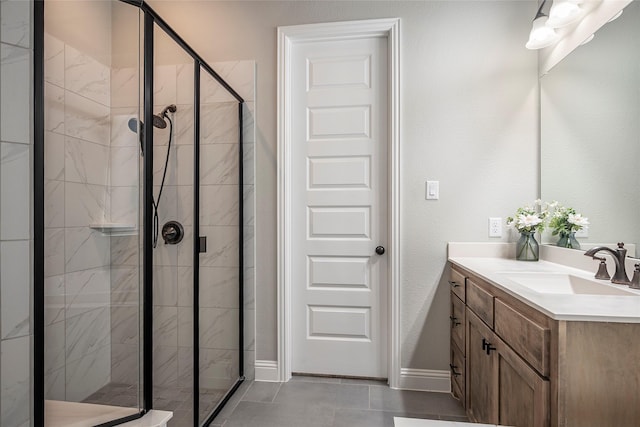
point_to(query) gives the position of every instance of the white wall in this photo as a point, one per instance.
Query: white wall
(469, 120)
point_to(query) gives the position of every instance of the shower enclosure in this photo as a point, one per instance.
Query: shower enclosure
(139, 220)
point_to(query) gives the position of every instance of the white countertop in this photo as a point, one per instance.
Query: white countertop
(595, 308)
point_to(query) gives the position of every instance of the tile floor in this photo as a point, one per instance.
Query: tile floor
(332, 402)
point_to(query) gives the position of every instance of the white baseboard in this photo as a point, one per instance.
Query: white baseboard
(267, 370)
(425, 380)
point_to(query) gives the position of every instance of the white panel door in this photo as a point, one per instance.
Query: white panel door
(339, 205)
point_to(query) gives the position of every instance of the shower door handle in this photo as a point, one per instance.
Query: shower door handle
(202, 244)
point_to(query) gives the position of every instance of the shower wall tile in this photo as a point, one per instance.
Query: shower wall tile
(125, 251)
(249, 210)
(160, 159)
(164, 92)
(185, 367)
(125, 367)
(185, 286)
(240, 75)
(185, 204)
(54, 385)
(219, 328)
(87, 333)
(184, 125)
(165, 326)
(165, 366)
(53, 251)
(124, 324)
(54, 153)
(88, 374)
(86, 162)
(184, 164)
(53, 108)
(248, 159)
(249, 246)
(53, 60)
(249, 330)
(85, 204)
(54, 204)
(248, 122)
(222, 246)
(124, 166)
(221, 166)
(54, 299)
(125, 285)
(167, 255)
(86, 119)
(85, 248)
(219, 123)
(219, 287)
(86, 76)
(125, 87)
(15, 291)
(54, 342)
(184, 84)
(16, 22)
(165, 286)
(211, 92)
(124, 204)
(15, 86)
(15, 191)
(219, 205)
(15, 395)
(185, 326)
(216, 365)
(87, 290)
(249, 288)
(250, 365)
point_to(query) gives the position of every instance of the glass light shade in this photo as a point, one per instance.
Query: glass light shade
(563, 13)
(541, 35)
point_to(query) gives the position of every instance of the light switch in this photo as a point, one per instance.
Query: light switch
(433, 190)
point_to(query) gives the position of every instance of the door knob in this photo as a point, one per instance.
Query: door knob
(380, 250)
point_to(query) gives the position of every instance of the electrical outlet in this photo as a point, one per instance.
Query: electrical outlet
(495, 227)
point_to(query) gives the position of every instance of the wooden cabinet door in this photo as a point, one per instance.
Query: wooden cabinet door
(523, 395)
(481, 372)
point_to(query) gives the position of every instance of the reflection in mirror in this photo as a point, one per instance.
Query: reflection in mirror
(590, 133)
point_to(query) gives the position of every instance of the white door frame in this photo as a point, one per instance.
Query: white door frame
(287, 37)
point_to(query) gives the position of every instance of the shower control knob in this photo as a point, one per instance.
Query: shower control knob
(380, 250)
(172, 233)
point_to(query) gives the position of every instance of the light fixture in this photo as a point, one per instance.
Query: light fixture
(541, 35)
(588, 39)
(564, 12)
(616, 16)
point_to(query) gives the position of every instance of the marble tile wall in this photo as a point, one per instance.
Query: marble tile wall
(77, 194)
(16, 239)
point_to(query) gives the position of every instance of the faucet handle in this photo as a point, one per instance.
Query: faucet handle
(635, 282)
(602, 269)
(620, 245)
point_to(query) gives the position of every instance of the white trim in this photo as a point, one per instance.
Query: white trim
(267, 370)
(287, 36)
(425, 380)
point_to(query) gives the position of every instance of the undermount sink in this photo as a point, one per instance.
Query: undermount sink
(563, 283)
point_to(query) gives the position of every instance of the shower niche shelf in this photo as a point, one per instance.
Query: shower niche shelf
(115, 229)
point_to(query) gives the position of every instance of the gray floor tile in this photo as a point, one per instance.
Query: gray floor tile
(372, 418)
(324, 395)
(256, 414)
(417, 402)
(262, 392)
(228, 409)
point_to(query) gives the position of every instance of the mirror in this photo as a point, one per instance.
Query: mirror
(590, 132)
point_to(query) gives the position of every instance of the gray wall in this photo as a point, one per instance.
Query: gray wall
(469, 120)
(16, 239)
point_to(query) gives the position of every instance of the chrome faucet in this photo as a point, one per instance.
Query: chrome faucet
(619, 257)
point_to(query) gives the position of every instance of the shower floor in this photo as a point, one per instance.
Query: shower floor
(179, 400)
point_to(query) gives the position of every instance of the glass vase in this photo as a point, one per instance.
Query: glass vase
(568, 240)
(527, 248)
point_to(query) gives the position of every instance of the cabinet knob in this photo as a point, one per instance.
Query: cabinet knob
(454, 284)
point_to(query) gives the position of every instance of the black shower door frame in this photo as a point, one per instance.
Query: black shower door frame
(151, 19)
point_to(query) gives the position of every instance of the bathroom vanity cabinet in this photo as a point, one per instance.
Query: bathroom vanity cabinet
(513, 365)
